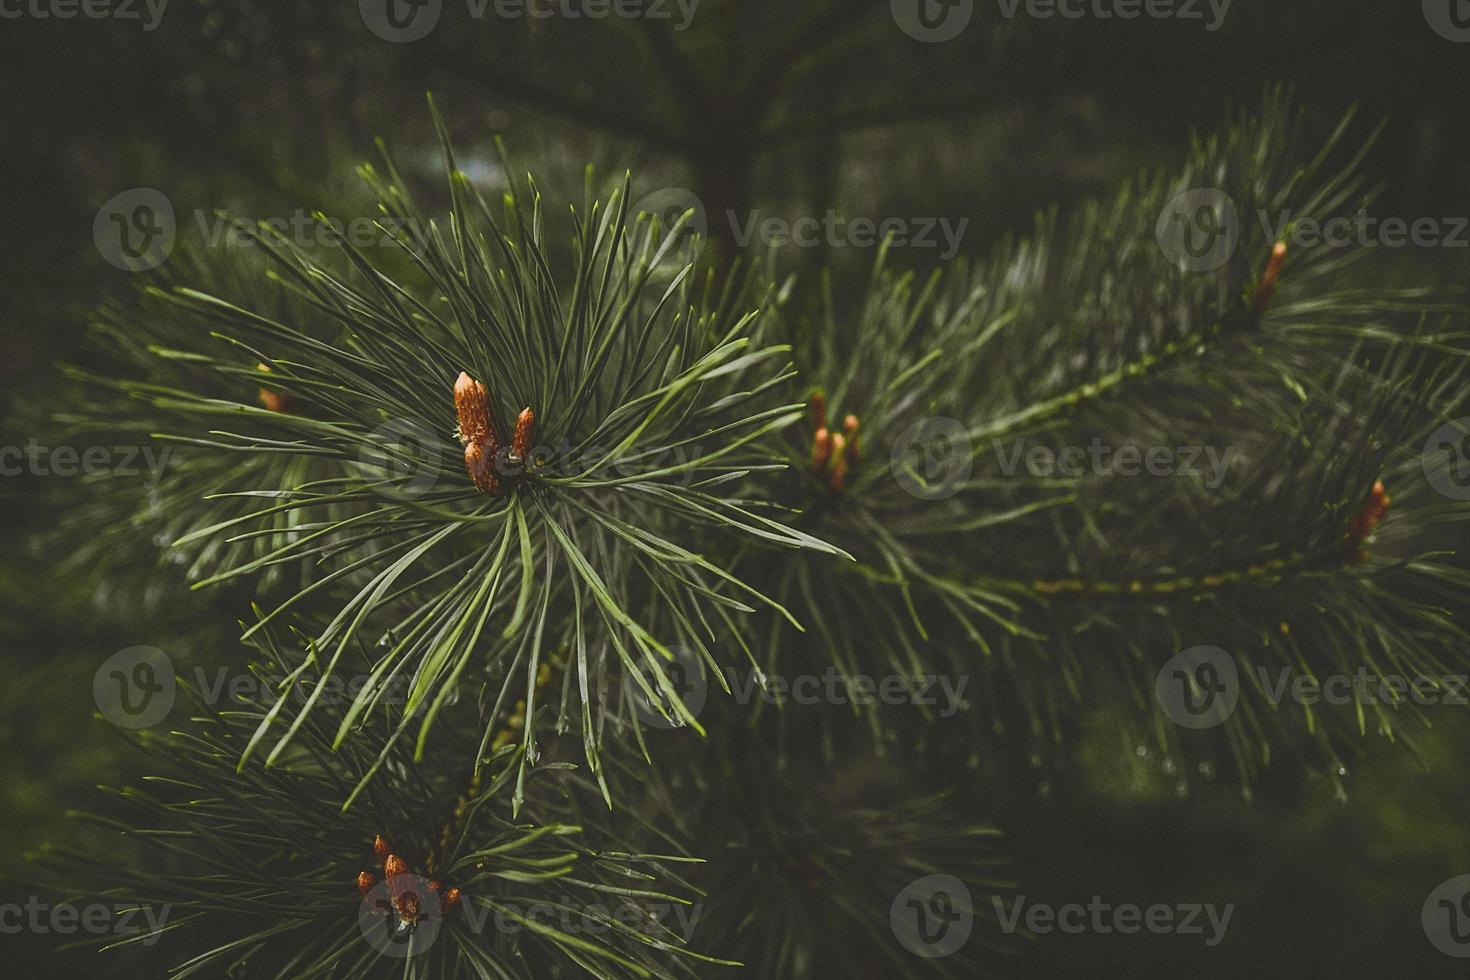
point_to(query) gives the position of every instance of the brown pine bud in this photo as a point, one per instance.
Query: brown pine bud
(477, 432)
(472, 405)
(274, 401)
(365, 883)
(839, 464)
(1267, 286)
(1367, 520)
(520, 444)
(821, 451)
(408, 906)
(850, 428)
(449, 901)
(381, 850)
(401, 888)
(480, 464)
(817, 402)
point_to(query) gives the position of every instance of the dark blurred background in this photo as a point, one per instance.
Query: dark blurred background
(789, 108)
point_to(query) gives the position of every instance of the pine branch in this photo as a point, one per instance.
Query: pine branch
(645, 396)
(262, 868)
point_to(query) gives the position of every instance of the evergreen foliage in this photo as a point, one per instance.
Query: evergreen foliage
(724, 471)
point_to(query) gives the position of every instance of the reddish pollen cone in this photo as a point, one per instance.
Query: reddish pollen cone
(472, 405)
(818, 404)
(365, 883)
(275, 401)
(821, 450)
(1368, 519)
(479, 462)
(381, 850)
(839, 464)
(402, 888)
(477, 432)
(408, 906)
(520, 446)
(1267, 287)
